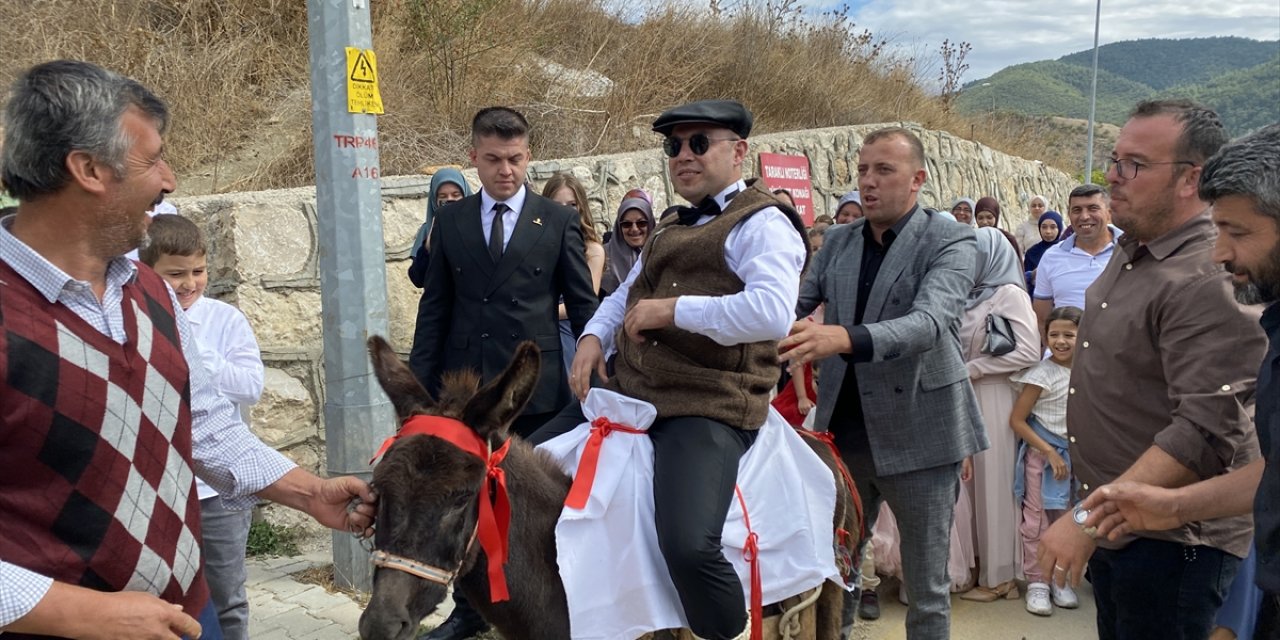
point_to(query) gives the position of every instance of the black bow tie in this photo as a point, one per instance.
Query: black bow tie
(690, 215)
(708, 207)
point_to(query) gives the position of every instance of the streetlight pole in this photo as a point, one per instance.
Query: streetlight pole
(1093, 98)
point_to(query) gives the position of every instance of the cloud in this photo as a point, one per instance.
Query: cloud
(1006, 32)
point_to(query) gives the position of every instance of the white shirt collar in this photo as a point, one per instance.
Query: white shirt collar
(722, 198)
(515, 203)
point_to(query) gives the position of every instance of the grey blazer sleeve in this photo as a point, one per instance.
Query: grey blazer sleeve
(939, 299)
(812, 285)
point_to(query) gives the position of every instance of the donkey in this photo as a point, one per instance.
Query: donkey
(428, 517)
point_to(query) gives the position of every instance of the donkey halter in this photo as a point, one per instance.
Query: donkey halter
(416, 568)
(430, 573)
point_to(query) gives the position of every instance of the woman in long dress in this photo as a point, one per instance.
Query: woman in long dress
(999, 290)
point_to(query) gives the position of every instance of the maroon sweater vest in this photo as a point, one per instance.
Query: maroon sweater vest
(96, 480)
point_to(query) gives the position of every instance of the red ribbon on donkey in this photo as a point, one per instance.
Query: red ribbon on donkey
(494, 520)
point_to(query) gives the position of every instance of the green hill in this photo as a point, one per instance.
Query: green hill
(1247, 99)
(1239, 78)
(1164, 63)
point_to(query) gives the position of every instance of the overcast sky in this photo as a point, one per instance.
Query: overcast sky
(1006, 32)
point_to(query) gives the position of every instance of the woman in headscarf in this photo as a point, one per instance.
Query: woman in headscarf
(963, 211)
(849, 208)
(1028, 233)
(998, 290)
(630, 231)
(563, 188)
(987, 214)
(1049, 226)
(447, 185)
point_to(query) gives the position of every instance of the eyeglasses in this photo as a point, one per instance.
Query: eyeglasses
(698, 144)
(1128, 169)
(638, 224)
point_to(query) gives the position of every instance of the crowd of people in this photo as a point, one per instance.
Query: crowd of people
(1017, 407)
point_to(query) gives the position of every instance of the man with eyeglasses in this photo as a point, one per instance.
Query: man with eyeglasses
(696, 325)
(1161, 387)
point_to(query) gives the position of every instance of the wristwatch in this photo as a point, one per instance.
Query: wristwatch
(1080, 515)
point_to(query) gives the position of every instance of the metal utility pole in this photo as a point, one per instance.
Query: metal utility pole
(1093, 98)
(353, 279)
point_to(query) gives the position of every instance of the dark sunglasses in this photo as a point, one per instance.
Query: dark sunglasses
(698, 144)
(639, 224)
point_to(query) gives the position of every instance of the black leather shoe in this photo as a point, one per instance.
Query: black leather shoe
(457, 628)
(869, 607)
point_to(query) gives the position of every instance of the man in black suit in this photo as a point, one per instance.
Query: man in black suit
(501, 260)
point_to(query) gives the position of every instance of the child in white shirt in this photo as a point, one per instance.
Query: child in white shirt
(1042, 477)
(230, 353)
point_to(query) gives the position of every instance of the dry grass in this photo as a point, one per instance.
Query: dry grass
(322, 576)
(235, 74)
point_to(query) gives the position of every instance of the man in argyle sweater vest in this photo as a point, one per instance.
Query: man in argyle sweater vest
(106, 410)
(111, 504)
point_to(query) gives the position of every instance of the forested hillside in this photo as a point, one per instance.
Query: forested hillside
(1239, 78)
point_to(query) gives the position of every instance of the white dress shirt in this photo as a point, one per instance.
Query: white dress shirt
(765, 251)
(226, 454)
(231, 357)
(515, 204)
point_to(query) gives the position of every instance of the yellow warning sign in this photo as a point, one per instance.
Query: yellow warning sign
(362, 81)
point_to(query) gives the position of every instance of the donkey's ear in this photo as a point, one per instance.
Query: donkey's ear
(498, 403)
(397, 380)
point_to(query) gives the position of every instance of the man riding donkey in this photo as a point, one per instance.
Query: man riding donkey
(695, 326)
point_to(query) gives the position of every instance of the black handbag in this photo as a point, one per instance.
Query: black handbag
(1000, 339)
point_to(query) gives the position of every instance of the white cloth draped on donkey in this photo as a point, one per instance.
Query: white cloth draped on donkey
(614, 575)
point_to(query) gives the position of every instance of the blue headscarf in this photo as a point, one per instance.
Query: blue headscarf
(447, 175)
(1032, 259)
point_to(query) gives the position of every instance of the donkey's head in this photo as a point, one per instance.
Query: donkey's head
(428, 488)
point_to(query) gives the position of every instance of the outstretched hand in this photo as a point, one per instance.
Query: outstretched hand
(810, 341)
(1121, 508)
(345, 503)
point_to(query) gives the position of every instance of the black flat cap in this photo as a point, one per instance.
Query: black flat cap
(729, 114)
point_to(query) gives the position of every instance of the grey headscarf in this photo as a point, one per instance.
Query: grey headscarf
(446, 175)
(973, 217)
(995, 266)
(620, 256)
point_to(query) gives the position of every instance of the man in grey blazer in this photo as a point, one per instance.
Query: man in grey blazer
(500, 262)
(894, 390)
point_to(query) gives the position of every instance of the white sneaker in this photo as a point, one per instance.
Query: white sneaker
(1038, 599)
(1064, 597)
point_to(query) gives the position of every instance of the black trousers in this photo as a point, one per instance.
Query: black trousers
(695, 469)
(1268, 627)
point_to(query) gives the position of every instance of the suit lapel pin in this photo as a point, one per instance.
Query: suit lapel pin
(537, 221)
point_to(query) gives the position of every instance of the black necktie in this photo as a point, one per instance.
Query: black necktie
(690, 215)
(496, 231)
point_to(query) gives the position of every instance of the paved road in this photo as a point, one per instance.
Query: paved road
(281, 608)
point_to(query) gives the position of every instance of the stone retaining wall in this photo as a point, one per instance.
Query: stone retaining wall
(263, 246)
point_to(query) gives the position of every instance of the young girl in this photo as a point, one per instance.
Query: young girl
(1042, 477)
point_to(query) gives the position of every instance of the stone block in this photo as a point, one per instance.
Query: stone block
(286, 413)
(282, 317)
(272, 238)
(402, 305)
(401, 218)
